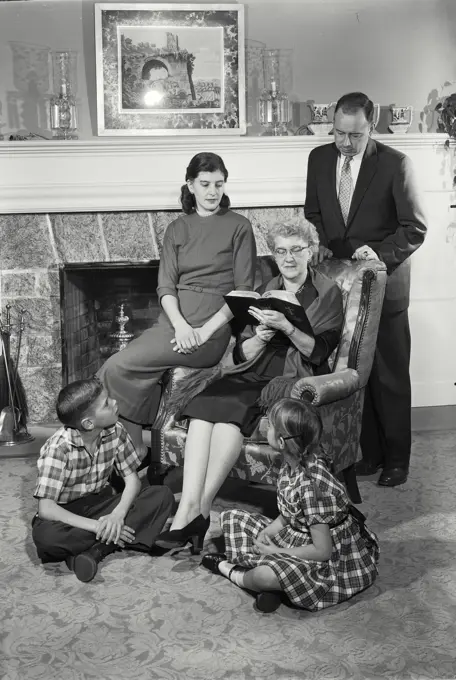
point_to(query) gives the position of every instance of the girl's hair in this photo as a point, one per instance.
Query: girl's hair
(75, 400)
(202, 162)
(295, 227)
(299, 423)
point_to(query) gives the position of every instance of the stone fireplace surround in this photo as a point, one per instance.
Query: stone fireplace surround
(111, 201)
(36, 246)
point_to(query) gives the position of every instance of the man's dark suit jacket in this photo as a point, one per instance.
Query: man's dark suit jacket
(385, 212)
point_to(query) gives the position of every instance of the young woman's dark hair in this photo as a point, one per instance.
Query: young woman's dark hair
(202, 162)
(353, 102)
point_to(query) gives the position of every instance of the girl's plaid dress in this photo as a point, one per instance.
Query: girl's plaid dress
(307, 496)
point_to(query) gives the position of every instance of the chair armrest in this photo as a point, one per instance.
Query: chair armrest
(324, 389)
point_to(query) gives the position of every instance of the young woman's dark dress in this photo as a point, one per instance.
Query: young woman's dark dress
(202, 259)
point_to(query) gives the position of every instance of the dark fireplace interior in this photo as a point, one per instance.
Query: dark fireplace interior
(91, 296)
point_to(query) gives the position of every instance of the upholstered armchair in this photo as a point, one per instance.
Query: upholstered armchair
(338, 396)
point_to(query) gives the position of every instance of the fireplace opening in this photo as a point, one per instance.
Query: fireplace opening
(96, 298)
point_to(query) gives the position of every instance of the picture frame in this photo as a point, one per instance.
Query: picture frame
(170, 69)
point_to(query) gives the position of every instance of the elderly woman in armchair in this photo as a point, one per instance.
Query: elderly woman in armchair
(269, 357)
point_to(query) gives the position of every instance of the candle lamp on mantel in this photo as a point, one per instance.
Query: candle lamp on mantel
(274, 111)
(273, 105)
(63, 106)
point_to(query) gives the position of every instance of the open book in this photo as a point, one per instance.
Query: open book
(283, 301)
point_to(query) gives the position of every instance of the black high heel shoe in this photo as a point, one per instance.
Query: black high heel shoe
(194, 533)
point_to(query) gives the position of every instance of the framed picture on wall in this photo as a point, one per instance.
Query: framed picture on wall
(170, 69)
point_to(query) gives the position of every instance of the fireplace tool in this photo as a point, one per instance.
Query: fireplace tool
(13, 414)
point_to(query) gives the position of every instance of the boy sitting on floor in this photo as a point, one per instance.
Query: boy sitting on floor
(80, 518)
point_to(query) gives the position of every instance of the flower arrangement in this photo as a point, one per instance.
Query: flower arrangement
(447, 115)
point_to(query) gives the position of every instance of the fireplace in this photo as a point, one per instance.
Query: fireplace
(91, 295)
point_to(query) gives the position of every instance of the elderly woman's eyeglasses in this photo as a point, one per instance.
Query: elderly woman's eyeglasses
(295, 251)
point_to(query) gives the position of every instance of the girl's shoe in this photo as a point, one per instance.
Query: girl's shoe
(212, 560)
(268, 601)
(194, 533)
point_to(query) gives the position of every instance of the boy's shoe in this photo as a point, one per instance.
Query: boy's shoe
(69, 561)
(85, 565)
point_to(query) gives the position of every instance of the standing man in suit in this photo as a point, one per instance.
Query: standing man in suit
(362, 199)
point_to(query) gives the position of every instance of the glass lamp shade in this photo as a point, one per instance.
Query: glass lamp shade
(273, 106)
(254, 69)
(278, 67)
(64, 64)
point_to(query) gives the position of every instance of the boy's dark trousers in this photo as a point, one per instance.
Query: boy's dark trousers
(55, 541)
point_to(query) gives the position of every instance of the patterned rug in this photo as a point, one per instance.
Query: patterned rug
(168, 618)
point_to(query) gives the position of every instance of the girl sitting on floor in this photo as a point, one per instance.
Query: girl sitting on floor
(318, 552)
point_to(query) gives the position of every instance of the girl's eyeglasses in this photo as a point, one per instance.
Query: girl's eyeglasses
(292, 436)
(288, 436)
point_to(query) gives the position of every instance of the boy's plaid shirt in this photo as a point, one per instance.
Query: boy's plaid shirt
(66, 470)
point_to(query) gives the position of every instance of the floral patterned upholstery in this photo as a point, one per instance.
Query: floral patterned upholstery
(338, 396)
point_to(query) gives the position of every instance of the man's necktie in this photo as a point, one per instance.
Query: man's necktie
(345, 188)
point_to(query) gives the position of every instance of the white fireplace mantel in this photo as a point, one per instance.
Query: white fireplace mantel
(146, 174)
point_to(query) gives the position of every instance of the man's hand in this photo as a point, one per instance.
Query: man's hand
(264, 333)
(186, 340)
(365, 253)
(111, 528)
(323, 253)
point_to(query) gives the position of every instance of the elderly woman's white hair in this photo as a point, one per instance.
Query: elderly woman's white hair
(297, 226)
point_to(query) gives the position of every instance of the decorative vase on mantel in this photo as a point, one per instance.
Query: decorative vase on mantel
(63, 105)
(254, 72)
(402, 117)
(321, 125)
(375, 119)
(447, 115)
(273, 106)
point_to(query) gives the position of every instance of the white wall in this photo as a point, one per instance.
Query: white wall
(433, 291)
(398, 51)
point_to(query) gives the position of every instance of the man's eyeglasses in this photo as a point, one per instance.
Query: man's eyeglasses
(296, 251)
